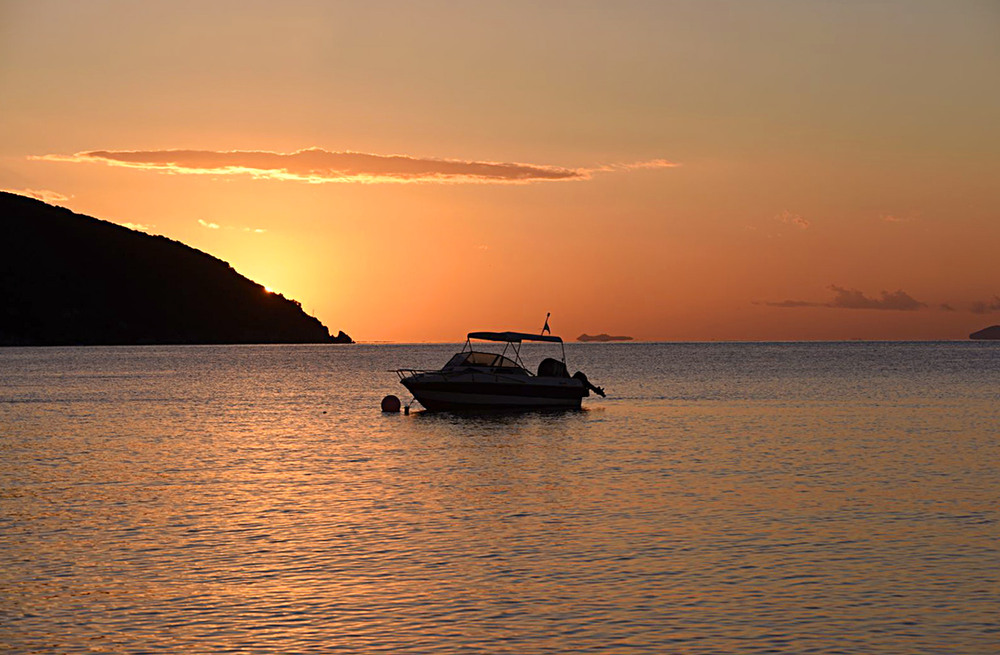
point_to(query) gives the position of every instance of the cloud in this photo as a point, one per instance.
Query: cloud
(141, 227)
(897, 300)
(854, 299)
(792, 218)
(318, 166)
(216, 226)
(980, 307)
(45, 195)
(795, 303)
(893, 218)
(638, 165)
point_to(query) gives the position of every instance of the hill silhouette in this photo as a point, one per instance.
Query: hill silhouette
(603, 337)
(992, 333)
(70, 279)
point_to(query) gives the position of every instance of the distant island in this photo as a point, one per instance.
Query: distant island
(601, 337)
(70, 279)
(991, 333)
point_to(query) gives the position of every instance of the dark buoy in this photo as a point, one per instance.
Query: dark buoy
(390, 404)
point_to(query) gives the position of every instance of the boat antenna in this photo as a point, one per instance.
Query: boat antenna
(545, 328)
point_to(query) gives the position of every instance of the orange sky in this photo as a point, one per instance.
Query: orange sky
(412, 171)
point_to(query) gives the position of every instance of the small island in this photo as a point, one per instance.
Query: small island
(601, 338)
(990, 333)
(69, 279)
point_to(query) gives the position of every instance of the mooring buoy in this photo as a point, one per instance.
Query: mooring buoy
(391, 404)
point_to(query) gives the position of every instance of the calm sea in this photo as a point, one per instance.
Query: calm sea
(724, 498)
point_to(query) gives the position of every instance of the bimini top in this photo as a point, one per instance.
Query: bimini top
(513, 337)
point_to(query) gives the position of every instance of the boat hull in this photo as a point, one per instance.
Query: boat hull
(439, 393)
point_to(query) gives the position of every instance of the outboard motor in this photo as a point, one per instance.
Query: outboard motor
(552, 368)
(587, 385)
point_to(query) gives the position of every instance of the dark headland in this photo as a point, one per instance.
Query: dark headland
(69, 279)
(601, 337)
(992, 332)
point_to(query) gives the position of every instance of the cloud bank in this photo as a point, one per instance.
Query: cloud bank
(855, 299)
(981, 307)
(896, 300)
(319, 166)
(634, 166)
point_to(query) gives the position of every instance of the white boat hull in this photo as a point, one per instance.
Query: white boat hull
(441, 392)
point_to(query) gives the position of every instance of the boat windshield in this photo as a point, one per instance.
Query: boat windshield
(481, 359)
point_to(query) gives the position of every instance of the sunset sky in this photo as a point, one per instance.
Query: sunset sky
(411, 171)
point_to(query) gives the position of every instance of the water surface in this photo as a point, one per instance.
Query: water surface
(825, 498)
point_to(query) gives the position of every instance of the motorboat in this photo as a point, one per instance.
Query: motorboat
(473, 379)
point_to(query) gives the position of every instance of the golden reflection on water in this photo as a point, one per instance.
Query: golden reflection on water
(255, 499)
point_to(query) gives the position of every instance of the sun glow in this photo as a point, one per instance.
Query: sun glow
(649, 191)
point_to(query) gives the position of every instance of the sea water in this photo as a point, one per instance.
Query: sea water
(724, 498)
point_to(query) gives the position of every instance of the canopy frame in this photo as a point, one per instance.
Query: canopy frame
(513, 341)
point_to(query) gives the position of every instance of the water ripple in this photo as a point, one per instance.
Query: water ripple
(752, 498)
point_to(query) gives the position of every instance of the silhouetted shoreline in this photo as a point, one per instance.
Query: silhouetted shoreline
(70, 279)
